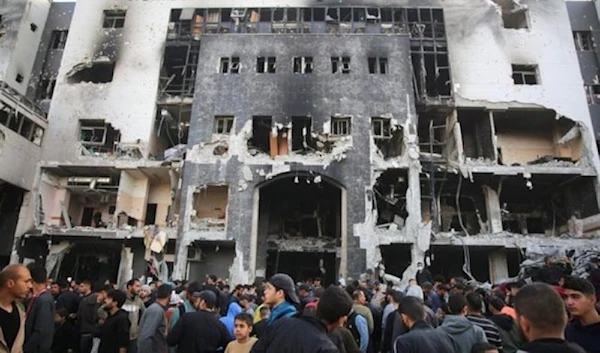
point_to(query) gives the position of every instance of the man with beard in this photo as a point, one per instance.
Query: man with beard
(114, 334)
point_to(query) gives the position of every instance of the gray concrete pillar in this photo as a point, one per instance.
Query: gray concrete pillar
(492, 205)
(498, 266)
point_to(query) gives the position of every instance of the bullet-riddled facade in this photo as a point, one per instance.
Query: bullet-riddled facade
(319, 139)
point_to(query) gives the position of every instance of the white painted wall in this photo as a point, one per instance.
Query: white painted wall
(18, 159)
(23, 51)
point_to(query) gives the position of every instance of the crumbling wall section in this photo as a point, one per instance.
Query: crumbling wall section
(21, 29)
(127, 102)
(481, 61)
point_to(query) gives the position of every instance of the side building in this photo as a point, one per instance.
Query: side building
(314, 139)
(22, 123)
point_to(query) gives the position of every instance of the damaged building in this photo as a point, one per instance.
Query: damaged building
(314, 138)
(22, 122)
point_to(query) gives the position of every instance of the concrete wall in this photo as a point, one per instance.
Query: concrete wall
(160, 194)
(21, 41)
(583, 16)
(282, 95)
(18, 159)
(48, 60)
(481, 60)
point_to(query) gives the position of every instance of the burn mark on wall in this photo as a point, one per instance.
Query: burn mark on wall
(92, 72)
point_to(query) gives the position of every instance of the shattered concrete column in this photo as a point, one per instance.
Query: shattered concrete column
(254, 235)
(492, 205)
(414, 226)
(180, 265)
(498, 266)
(183, 237)
(344, 225)
(126, 266)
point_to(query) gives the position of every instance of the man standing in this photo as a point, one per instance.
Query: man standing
(188, 305)
(304, 295)
(200, 331)
(15, 283)
(308, 334)
(153, 326)
(361, 308)
(421, 338)
(114, 333)
(87, 315)
(135, 307)
(584, 329)
(474, 308)
(39, 327)
(542, 318)
(423, 274)
(66, 299)
(462, 330)
(280, 296)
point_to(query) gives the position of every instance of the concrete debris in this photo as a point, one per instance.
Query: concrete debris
(220, 150)
(581, 258)
(175, 153)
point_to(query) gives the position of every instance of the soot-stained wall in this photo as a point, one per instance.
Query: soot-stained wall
(282, 95)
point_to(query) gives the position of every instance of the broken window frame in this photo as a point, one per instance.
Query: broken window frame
(381, 128)
(340, 65)
(24, 126)
(114, 19)
(223, 124)
(341, 126)
(58, 39)
(303, 65)
(592, 93)
(266, 64)
(92, 131)
(378, 65)
(523, 74)
(230, 65)
(584, 40)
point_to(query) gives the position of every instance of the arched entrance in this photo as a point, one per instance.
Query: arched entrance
(299, 227)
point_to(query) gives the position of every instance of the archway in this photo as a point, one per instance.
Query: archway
(299, 227)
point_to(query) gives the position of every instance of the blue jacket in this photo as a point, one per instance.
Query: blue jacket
(229, 320)
(284, 309)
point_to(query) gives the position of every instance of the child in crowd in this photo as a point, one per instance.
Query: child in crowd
(243, 342)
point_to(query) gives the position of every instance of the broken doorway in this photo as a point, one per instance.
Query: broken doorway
(92, 260)
(301, 212)
(302, 266)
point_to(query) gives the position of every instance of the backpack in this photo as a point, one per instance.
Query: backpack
(351, 325)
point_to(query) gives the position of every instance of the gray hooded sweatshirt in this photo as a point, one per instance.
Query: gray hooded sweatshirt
(463, 331)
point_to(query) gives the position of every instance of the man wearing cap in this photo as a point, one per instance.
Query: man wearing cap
(308, 333)
(280, 295)
(200, 331)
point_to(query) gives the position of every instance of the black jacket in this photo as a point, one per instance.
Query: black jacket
(509, 332)
(68, 300)
(550, 345)
(87, 315)
(424, 276)
(64, 337)
(39, 326)
(302, 334)
(423, 338)
(114, 334)
(588, 337)
(198, 332)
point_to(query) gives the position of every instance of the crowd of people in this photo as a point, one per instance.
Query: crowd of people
(430, 315)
